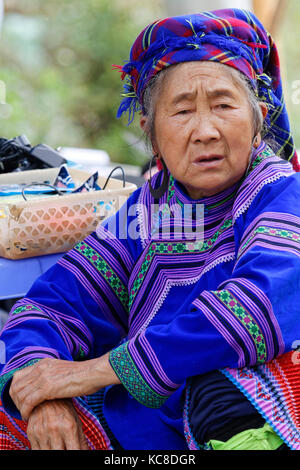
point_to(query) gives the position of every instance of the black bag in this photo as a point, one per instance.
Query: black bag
(17, 154)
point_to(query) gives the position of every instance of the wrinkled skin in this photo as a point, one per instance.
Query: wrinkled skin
(54, 425)
(201, 112)
(42, 394)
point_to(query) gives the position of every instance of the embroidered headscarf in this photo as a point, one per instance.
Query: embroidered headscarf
(233, 37)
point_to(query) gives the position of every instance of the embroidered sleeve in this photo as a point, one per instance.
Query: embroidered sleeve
(244, 316)
(274, 230)
(75, 311)
(138, 368)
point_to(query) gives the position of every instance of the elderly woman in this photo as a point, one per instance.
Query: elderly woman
(173, 326)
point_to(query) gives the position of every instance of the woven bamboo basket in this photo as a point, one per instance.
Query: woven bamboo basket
(54, 224)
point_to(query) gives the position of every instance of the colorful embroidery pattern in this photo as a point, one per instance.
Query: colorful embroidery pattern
(274, 389)
(189, 436)
(130, 377)
(265, 153)
(277, 231)
(76, 335)
(105, 270)
(243, 315)
(266, 168)
(25, 308)
(173, 248)
(246, 319)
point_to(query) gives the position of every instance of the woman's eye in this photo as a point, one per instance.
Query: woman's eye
(223, 105)
(183, 111)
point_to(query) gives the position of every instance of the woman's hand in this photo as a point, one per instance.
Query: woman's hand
(55, 425)
(50, 379)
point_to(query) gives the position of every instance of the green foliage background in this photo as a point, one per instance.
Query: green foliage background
(290, 60)
(56, 62)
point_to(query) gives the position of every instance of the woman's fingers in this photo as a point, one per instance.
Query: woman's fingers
(83, 442)
(25, 390)
(55, 425)
(46, 380)
(33, 441)
(26, 398)
(18, 384)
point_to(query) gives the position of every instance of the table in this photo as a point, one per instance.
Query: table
(17, 276)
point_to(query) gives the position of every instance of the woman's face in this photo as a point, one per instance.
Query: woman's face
(203, 127)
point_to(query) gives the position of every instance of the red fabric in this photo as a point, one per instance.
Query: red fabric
(286, 371)
(13, 432)
(295, 162)
(159, 164)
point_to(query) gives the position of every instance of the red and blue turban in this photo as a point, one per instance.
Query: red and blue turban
(233, 37)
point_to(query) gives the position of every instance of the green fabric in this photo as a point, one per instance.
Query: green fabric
(263, 438)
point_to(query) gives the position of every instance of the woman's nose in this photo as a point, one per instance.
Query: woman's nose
(204, 128)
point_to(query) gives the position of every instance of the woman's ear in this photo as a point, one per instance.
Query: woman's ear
(257, 139)
(264, 109)
(143, 122)
(144, 125)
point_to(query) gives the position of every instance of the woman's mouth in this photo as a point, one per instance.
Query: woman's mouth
(208, 161)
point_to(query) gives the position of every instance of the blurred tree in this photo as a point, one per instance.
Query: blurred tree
(56, 62)
(56, 66)
(290, 47)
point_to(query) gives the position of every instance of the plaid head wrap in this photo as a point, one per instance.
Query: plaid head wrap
(233, 37)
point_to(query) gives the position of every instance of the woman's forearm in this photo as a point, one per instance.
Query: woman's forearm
(97, 374)
(50, 379)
